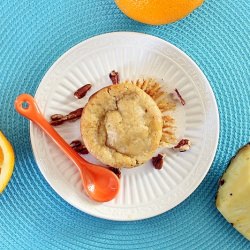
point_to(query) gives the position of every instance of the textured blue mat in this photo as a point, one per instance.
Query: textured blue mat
(33, 34)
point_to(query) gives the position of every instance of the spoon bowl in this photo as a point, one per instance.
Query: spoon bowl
(99, 183)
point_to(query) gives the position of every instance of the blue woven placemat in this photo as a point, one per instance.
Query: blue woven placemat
(33, 34)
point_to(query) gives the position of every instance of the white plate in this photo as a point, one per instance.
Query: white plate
(145, 192)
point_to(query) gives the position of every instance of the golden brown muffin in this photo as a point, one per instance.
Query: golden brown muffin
(165, 103)
(121, 125)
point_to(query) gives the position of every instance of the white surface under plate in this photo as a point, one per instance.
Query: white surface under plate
(145, 191)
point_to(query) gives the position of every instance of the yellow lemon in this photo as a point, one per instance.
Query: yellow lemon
(7, 160)
(157, 12)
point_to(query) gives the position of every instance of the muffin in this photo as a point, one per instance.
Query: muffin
(121, 125)
(165, 103)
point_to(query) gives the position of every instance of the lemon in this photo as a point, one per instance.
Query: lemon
(7, 160)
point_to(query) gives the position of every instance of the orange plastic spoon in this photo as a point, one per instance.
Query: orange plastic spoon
(99, 183)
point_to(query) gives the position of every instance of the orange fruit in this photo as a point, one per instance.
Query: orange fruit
(7, 160)
(157, 12)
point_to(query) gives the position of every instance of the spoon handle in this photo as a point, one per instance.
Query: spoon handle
(26, 106)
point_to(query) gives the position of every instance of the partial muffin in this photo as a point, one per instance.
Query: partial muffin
(165, 103)
(121, 125)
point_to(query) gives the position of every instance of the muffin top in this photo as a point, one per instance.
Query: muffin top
(121, 125)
